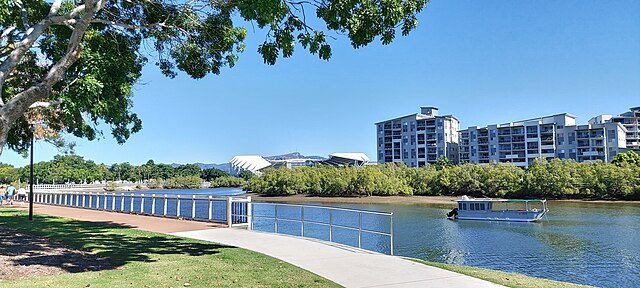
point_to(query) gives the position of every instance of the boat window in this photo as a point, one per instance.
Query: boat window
(481, 206)
(472, 206)
(464, 206)
(460, 206)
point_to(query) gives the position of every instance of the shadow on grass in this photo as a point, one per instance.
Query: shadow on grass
(115, 243)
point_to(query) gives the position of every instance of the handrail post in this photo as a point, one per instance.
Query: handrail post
(77, 198)
(153, 204)
(359, 229)
(141, 203)
(302, 221)
(193, 206)
(84, 196)
(98, 201)
(275, 216)
(113, 201)
(65, 199)
(177, 206)
(249, 213)
(229, 213)
(104, 203)
(90, 196)
(131, 206)
(391, 232)
(209, 207)
(164, 213)
(330, 225)
(122, 201)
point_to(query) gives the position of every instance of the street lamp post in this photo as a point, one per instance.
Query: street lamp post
(31, 181)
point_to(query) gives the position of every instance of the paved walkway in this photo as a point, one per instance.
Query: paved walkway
(350, 267)
(149, 223)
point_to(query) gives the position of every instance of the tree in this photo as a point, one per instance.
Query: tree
(630, 157)
(246, 175)
(74, 63)
(211, 174)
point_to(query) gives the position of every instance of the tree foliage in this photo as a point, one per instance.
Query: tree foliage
(74, 63)
(630, 157)
(543, 179)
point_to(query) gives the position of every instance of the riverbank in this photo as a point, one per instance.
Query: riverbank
(303, 198)
(410, 200)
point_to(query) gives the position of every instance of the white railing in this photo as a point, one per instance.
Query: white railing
(64, 186)
(221, 209)
(321, 216)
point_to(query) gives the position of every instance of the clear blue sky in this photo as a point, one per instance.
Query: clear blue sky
(483, 61)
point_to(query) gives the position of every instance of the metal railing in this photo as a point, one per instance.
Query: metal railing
(64, 186)
(221, 209)
(333, 218)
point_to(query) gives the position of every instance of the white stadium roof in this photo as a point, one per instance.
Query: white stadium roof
(253, 163)
(352, 156)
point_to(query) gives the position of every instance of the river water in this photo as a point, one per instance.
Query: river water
(587, 243)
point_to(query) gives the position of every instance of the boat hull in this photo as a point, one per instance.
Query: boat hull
(511, 216)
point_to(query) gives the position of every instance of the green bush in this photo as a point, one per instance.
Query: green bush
(543, 179)
(111, 186)
(183, 182)
(227, 181)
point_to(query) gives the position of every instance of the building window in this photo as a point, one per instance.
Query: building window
(572, 137)
(405, 154)
(413, 126)
(560, 139)
(611, 134)
(404, 127)
(413, 153)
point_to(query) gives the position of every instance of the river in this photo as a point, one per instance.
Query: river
(579, 242)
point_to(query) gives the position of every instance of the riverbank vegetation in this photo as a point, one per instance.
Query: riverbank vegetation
(139, 258)
(75, 169)
(543, 179)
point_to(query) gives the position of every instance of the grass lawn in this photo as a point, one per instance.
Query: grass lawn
(503, 278)
(147, 259)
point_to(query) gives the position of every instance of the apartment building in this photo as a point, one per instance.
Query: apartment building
(630, 120)
(419, 138)
(555, 136)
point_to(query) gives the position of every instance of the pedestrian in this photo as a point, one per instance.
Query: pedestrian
(11, 191)
(2, 194)
(22, 194)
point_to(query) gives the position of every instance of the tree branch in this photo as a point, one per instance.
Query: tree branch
(23, 14)
(23, 100)
(34, 33)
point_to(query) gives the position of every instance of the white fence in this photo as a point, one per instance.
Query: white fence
(233, 211)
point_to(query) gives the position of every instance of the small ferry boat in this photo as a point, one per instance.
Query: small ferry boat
(499, 210)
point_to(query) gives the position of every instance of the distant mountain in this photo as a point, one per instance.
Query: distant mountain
(294, 155)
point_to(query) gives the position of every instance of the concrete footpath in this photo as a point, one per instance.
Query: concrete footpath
(350, 267)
